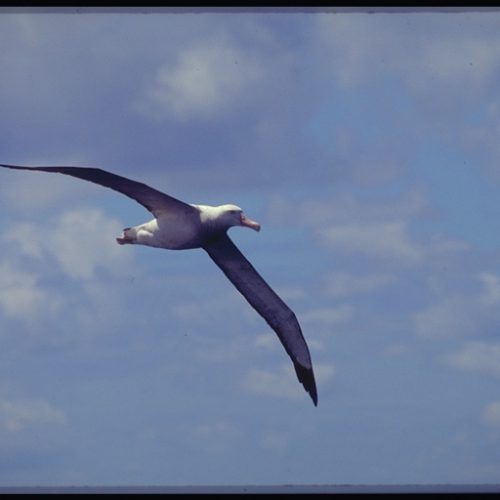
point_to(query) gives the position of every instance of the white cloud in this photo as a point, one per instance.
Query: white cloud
(84, 240)
(480, 138)
(454, 314)
(205, 79)
(418, 49)
(24, 236)
(491, 294)
(42, 259)
(379, 229)
(483, 357)
(343, 284)
(383, 239)
(80, 240)
(17, 415)
(348, 208)
(328, 316)
(491, 414)
(215, 435)
(283, 383)
(266, 340)
(21, 295)
(463, 57)
(33, 191)
(395, 350)
(216, 430)
(275, 440)
(291, 293)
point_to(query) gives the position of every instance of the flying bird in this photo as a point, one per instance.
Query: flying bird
(178, 226)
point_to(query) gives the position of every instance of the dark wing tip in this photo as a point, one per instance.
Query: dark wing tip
(306, 378)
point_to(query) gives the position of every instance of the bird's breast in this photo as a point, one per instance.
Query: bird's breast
(170, 231)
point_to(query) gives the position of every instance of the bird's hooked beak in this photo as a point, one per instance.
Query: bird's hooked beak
(245, 221)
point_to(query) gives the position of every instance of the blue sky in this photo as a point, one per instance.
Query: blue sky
(367, 146)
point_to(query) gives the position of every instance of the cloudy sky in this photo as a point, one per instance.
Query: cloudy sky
(367, 146)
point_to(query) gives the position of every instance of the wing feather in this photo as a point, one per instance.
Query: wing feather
(153, 200)
(268, 304)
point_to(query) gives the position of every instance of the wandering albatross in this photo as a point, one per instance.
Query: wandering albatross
(178, 226)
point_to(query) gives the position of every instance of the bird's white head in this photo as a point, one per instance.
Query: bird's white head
(226, 216)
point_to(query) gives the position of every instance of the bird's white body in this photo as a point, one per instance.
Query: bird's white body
(180, 231)
(166, 231)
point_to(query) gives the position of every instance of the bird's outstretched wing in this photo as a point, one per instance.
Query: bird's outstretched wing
(153, 200)
(267, 303)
